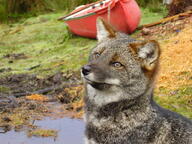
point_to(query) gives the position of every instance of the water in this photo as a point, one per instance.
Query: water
(70, 131)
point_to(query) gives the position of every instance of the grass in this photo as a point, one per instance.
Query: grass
(149, 16)
(4, 89)
(42, 133)
(3, 15)
(179, 100)
(11, 11)
(47, 45)
(14, 120)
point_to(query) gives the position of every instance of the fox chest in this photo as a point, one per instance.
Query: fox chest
(123, 133)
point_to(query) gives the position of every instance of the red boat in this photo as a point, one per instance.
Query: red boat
(124, 15)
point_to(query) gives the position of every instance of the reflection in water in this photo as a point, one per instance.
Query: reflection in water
(70, 131)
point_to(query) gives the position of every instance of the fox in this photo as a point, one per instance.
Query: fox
(119, 81)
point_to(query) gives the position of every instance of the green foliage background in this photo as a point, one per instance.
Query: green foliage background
(14, 9)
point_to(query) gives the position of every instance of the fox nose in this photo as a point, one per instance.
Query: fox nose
(86, 70)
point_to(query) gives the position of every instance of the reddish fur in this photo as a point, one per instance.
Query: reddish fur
(112, 32)
(150, 73)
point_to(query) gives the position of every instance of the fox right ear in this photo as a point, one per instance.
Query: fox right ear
(148, 52)
(104, 30)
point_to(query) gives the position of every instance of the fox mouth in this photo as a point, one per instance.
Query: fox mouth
(98, 85)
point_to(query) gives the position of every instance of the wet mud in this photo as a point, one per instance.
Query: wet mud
(26, 100)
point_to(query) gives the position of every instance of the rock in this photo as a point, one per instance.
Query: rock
(145, 31)
(7, 102)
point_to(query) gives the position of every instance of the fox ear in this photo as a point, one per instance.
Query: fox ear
(148, 52)
(104, 30)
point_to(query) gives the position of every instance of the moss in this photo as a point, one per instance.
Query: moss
(4, 89)
(43, 133)
(17, 119)
(185, 91)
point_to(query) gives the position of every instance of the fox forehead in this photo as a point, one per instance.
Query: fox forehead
(113, 45)
(114, 48)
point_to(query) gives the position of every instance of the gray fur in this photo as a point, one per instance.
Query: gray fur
(119, 106)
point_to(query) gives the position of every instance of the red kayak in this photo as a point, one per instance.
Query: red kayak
(124, 15)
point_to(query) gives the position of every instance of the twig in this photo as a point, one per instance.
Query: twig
(46, 90)
(165, 20)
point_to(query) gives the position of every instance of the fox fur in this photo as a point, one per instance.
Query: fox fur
(119, 83)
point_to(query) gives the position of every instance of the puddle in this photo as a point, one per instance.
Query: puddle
(70, 131)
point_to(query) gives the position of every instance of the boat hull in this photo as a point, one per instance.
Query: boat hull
(124, 16)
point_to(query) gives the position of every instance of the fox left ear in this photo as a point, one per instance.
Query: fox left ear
(104, 30)
(148, 52)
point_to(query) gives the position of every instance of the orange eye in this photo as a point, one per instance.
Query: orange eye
(117, 64)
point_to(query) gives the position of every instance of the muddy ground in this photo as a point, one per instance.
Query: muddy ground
(25, 98)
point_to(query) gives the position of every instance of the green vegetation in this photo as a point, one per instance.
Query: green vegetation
(147, 3)
(12, 10)
(42, 133)
(3, 15)
(178, 100)
(46, 45)
(66, 4)
(4, 89)
(149, 16)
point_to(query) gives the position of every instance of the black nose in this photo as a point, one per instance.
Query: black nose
(86, 70)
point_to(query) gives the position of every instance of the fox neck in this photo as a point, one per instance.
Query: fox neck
(115, 106)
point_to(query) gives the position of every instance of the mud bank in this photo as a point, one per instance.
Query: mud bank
(25, 99)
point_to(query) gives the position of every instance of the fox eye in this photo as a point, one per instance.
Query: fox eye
(97, 55)
(117, 64)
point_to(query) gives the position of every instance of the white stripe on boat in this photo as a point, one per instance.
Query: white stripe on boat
(89, 8)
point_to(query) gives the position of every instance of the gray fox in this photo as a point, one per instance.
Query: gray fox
(119, 83)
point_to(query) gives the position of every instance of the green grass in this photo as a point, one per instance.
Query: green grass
(3, 15)
(179, 100)
(11, 11)
(149, 16)
(47, 44)
(146, 3)
(4, 89)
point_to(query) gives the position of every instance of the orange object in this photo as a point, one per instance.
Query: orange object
(37, 97)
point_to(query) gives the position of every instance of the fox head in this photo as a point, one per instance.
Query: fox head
(121, 63)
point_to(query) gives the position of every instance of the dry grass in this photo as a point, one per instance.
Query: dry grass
(174, 82)
(176, 60)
